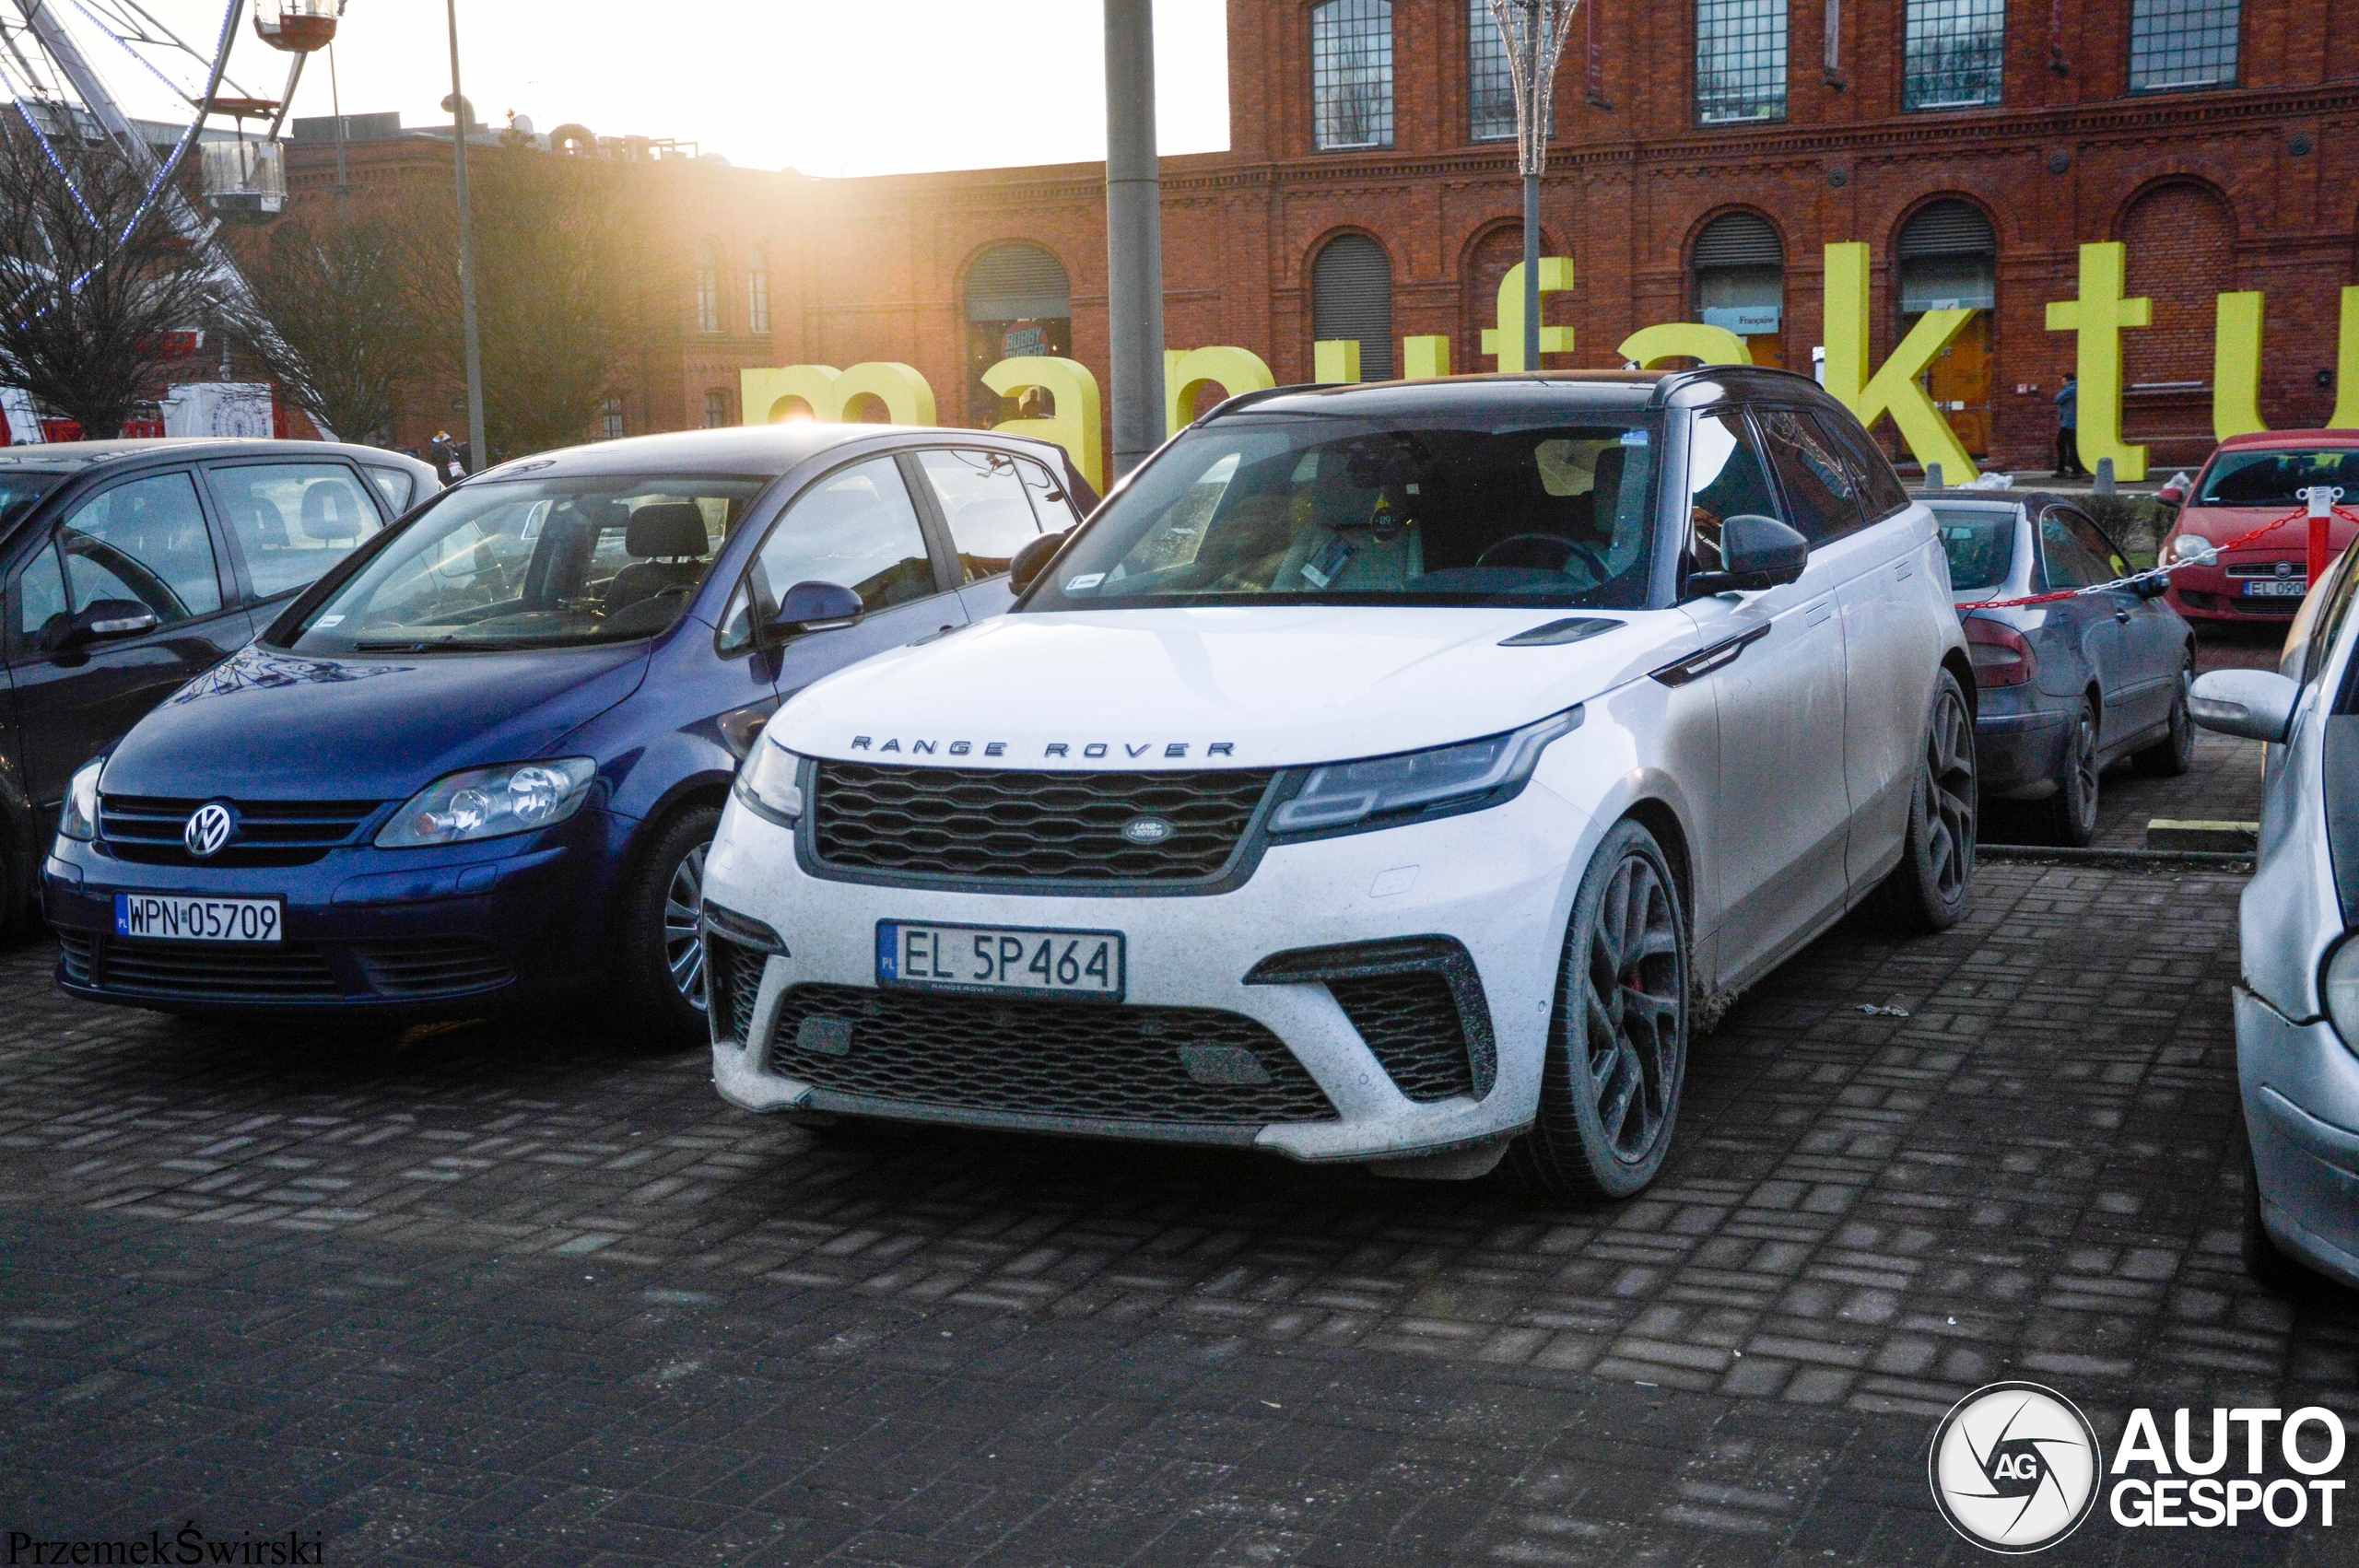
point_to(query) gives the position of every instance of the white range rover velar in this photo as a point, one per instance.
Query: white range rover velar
(1392, 774)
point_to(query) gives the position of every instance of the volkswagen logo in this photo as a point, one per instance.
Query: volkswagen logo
(210, 826)
(2015, 1468)
(1148, 830)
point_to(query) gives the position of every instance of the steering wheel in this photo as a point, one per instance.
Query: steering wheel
(1574, 549)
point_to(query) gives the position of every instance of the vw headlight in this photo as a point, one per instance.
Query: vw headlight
(79, 817)
(1345, 796)
(766, 784)
(2341, 988)
(484, 802)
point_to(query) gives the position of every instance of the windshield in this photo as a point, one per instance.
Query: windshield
(548, 563)
(19, 490)
(1980, 545)
(2277, 478)
(1351, 509)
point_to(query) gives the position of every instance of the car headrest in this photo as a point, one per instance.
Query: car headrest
(666, 528)
(1609, 476)
(327, 514)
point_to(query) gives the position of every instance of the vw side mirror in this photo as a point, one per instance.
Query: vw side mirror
(816, 607)
(1756, 552)
(2255, 703)
(1032, 560)
(102, 621)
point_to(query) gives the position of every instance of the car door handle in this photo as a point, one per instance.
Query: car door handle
(1703, 662)
(2122, 616)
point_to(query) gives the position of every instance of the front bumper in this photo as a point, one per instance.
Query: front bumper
(2300, 1088)
(1496, 885)
(409, 934)
(2209, 593)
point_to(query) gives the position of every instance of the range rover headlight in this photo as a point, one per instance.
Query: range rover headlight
(2341, 985)
(79, 816)
(486, 803)
(766, 783)
(1381, 790)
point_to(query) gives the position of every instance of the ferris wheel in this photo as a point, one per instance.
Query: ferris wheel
(153, 76)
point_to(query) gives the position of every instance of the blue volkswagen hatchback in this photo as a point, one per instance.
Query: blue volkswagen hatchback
(479, 763)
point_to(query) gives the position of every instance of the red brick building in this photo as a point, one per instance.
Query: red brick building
(2219, 140)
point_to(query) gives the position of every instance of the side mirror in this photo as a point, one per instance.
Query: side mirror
(1032, 560)
(2151, 587)
(102, 621)
(2255, 703)
(2170, 495)
(816, 607)
(1756, 552)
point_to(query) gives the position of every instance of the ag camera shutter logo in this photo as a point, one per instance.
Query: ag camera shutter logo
(2014, 1468)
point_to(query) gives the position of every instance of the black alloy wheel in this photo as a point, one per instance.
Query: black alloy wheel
(2071, 812)
(1618, 1038)
(1927, 892)
(2175, 754)
(660, 966)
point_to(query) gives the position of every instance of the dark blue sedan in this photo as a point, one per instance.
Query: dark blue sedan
(481, 761)
(2066, 688)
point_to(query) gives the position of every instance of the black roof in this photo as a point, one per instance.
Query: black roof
(1631, 390)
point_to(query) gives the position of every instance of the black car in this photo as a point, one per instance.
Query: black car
(130, 568)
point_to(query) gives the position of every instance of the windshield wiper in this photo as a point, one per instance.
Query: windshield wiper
(412, 645)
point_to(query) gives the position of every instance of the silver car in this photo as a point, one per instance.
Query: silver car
(2297, 1005)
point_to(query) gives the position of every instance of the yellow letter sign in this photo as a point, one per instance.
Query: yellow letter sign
(1893, 388)
(1076, 426)
(1505, 340)
(1650, 346)
(765, 396)
(1234, 371)
(2097, 317)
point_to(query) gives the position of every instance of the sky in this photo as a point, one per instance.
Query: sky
(827, 86)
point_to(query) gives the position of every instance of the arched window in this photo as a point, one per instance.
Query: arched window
(1351, 75)
(2180, 245)
(1949, 261)
(716, 409)
(757, 288)
(708, 285)
(1351, 298)
(1738, 266)
(1019, 305)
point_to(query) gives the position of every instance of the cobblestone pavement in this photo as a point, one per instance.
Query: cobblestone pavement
(510, 1292)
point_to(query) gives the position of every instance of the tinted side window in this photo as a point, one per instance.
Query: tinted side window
(1726, 476)
(2318, 643)
(1819, 492)
(145, 542)
(40, 598)
(293, 521)
(2092, 539)
(1880, 494)
(397, 486)
(2068, 561)
(856, 529)
(1056, 509)
(982, 499)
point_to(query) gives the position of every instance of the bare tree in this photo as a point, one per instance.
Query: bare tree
(338, 291)
(95, 280)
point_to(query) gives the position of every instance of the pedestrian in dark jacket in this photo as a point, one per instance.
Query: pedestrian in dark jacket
(2068, 429)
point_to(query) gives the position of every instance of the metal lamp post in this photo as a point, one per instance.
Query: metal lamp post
(463, 120)
(1534, 32)
(1133, 234)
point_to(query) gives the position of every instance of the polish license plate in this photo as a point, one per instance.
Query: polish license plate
(999, 960)
(2276, 588)
(174, 919)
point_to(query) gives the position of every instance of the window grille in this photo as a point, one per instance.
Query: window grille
(1351, 75)
(1490, 84)
(1956, 55)
(1018, 281)
(757, 289)
(1739, 61)
(1351, 297)
(716, 409)
(708, 287)
(610, 420)
(2178, 45)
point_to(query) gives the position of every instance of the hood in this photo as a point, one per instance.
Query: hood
(2220, 524)
(1220, 687)
(271, 725)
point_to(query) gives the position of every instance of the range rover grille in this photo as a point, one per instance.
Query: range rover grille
(966, 824)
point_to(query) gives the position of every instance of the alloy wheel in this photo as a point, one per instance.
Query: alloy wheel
(683, 911)
(2085, 771)
(1634, 1005)
(1948, 795)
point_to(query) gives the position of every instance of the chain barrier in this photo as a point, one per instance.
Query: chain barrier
(2212, 554)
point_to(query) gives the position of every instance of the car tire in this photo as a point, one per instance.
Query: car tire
(1927, 892)
(2175, 754)
(659, 962)
(2266, 1264)
(1617, 1035)
(2069, 816)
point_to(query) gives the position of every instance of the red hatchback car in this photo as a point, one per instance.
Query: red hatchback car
(2247, 482)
